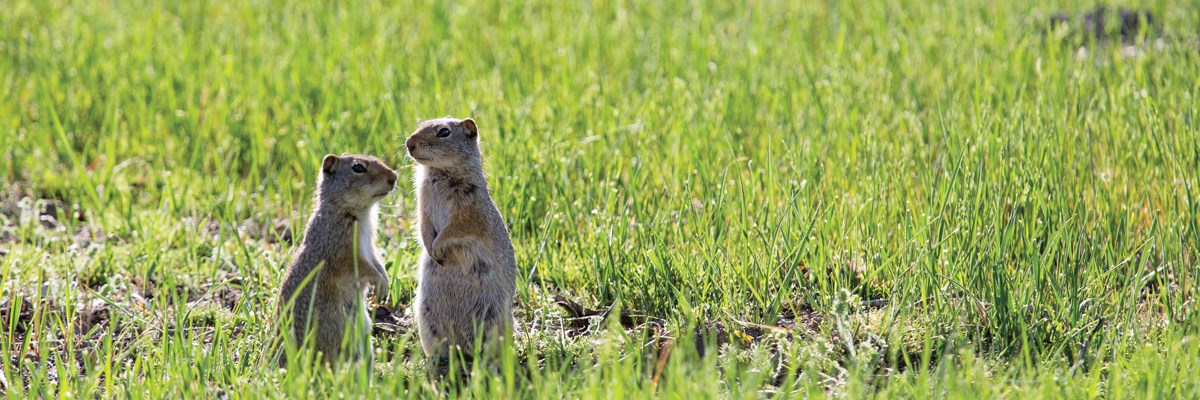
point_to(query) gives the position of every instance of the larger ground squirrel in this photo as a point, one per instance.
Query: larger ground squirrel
(324, 289)
(467, 273)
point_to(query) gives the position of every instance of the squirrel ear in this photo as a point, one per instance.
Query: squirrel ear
(470, 124)
(328, 163)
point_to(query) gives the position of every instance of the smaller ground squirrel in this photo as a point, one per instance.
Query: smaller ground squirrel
(324, 289)
(467, 273)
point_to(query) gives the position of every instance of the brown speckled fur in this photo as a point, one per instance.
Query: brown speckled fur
(339, 251)
(467, 273)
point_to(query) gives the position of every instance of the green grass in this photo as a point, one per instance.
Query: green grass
(1023, 212)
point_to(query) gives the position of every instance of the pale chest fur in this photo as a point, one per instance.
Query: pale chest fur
(365, 233)
(435, 211)
(462, 201)
(434, 203)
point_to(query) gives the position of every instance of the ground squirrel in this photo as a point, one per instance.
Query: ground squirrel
(467, 273)
(325, 287)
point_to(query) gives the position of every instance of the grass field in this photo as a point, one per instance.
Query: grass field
(884, 198)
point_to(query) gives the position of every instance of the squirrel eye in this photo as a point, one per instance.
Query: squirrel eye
(359, 168)
(443, 132)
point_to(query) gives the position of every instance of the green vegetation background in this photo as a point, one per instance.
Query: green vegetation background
(933, 199)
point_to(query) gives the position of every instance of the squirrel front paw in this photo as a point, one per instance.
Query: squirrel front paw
(379, 288)
(440, 250)
(438, 255)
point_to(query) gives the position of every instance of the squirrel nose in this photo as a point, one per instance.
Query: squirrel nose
(391, 181)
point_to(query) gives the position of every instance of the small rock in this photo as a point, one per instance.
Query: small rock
(50, 208)
(48, 214)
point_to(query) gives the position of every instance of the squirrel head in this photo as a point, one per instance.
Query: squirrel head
(353, 181)
(445, 143)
